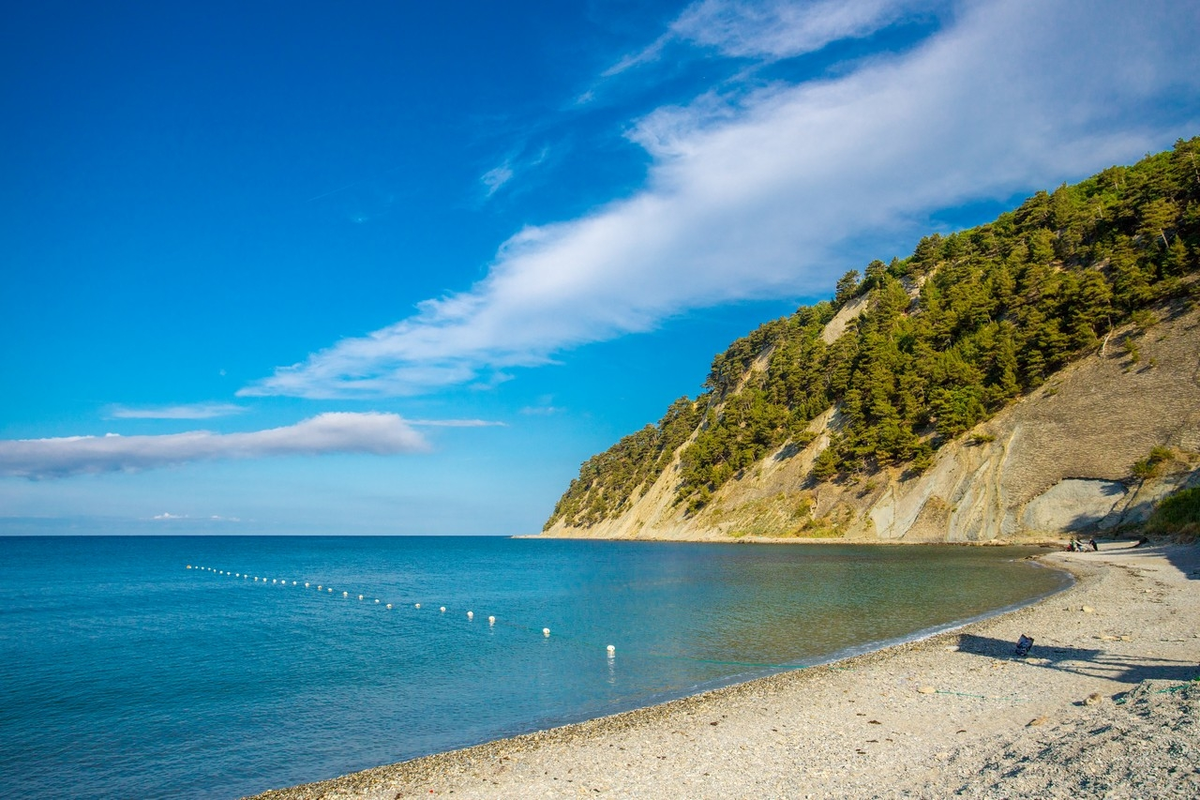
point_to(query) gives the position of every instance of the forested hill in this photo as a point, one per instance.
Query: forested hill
(946, 338)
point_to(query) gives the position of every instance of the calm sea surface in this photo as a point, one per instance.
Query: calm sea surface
(125, 674)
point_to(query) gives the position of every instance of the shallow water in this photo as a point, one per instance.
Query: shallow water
(126, 674)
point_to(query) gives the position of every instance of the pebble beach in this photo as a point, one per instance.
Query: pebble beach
(1104, 705)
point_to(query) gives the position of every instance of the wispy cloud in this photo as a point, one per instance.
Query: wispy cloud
(541, 411)
(499, 176)
(775, 190)
(784, 28)
(338, 432)
(496, 177)
(189, 411)
(167, 516)
(774, 29)
(455, 423)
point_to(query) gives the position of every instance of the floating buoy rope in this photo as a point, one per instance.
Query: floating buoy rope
(609, 650)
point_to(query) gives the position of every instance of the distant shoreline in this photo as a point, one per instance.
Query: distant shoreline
(906, 717)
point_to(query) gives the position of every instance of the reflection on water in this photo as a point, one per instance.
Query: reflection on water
(127, 674)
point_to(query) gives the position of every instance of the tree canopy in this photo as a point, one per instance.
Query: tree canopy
(949, 336)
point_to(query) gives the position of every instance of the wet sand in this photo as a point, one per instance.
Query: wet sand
(1104, 705)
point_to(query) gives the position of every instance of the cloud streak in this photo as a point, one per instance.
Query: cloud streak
(783, 29)
(774, 29)
(337, 432)
(776, 189)
(190, 411)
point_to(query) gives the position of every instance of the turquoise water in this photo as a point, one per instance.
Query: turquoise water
(126, 674)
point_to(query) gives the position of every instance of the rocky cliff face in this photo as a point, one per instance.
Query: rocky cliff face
(1059, 459)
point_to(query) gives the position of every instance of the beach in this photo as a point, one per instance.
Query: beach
(1104, 705)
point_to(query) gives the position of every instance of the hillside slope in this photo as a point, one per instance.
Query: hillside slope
(1037, 374)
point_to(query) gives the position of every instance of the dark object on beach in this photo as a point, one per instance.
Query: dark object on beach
(1092, 543)
(1141, 541)
(1023, 645)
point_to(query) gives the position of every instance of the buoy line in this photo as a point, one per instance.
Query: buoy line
(442, 609)
(608, 650)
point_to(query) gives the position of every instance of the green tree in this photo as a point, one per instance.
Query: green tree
(847, 288)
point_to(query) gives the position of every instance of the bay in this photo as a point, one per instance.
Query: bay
(160, 666)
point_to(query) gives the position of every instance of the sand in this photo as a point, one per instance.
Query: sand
(1104, 705)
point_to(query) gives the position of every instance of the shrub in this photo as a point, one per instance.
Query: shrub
(1178, 513)
(1152, 466)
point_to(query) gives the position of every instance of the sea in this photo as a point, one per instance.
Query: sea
(216, 667)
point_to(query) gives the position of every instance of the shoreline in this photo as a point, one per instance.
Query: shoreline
(925, 717)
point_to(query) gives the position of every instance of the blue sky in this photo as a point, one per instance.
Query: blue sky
(399, 268)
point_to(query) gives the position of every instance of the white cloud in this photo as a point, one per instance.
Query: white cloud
(785, 28)
(189, 411)
(774, 29)
(167, 515)
(455, 423)
(519, 162)
(778, 190)
(339, 432)
(496, 177)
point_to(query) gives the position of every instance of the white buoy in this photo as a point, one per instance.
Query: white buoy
(470, 615)
(443, 609)
(306, 584)
(545, 631)
(293, 583)
(274, 581)
(376, 599)
(491, 620)
(611, 651)
(360, 597)
(389, 605)
(330, 591)
(418, 605)
(189, 566)
(347, 594)
(318, 587)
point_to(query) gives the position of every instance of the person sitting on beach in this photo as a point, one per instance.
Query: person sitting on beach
(1092, 543)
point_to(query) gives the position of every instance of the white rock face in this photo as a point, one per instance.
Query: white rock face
(1072, 505)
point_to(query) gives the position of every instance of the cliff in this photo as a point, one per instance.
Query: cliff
(1037, 375)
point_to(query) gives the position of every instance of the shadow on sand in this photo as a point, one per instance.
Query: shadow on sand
(1184, 557)
(1084, 661)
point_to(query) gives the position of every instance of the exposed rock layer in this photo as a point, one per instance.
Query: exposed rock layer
(1059, 459)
